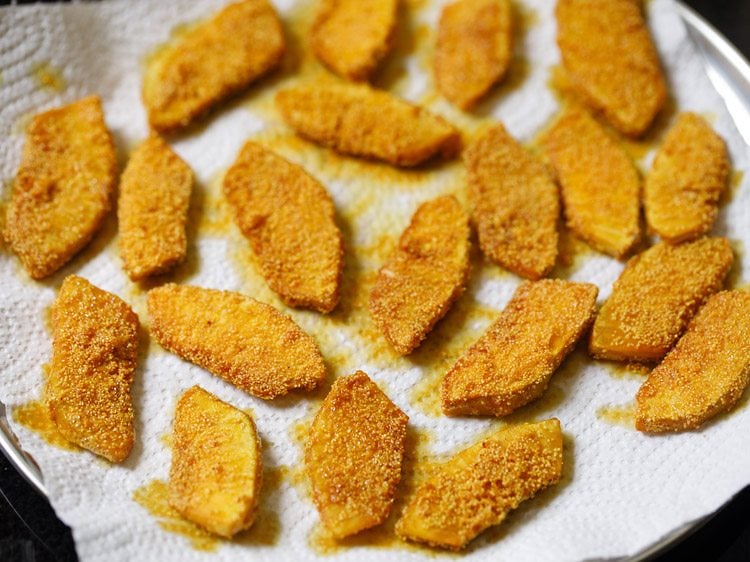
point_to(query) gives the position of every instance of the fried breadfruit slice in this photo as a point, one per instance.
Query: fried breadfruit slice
(687, 179)
(212, 61)
(599, 183)
(705, 374)
(424, 276)
(63, 187)
(288, 217)
(512, 363)
(515, 204)
(353, 455)
(352, 37)
(611, 61)
(655, 297)
(479, 486)
(358, 120)
(94, 354)
(217, 469)
(152, 209)
(247, 343)
(474, 48)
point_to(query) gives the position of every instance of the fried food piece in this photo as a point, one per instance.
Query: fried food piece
(515, 204)
(152, 210)
(217, 467)
(479, 486)
(705, 374)
(288, 217)
(352, 37)
(599, 183)
(63, 187)
(94, 354)
(512, 363)
(353, 455)
(655, 297)
(211, 62)
(611, 62)
(474, 48)
(424, 276)
(689, 174)
(358, 120)
(247, 343)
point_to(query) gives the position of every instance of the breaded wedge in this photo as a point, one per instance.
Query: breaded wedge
(655, 297)
(358, 120)
(611, 62)
(474, 48)
(288, 217)
(706, 372)
(353, 455)
(512, 363)
(351, 37)
(689, 174)
(247, 343)
(424, 276)
(94, 354)
(515, 204)
(479, 486)
(152, 210)
(212, 61)
(599, 183)
(217, 468)
(63, 187)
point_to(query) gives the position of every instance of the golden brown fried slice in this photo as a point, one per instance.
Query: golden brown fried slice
(289, 219)
(599, 183)
(152, 209)
(705, 374)
(351, 37)
(212, 61)
(63, 186)
(247, 343)
(353, 455)
(512, 363)
(474, 48)
(217, 468)
(479, 486)
(655, 297)
(687, 179)
(425, 275)
(611, 62)
(358, 120)
(515, 204)
(94, 353)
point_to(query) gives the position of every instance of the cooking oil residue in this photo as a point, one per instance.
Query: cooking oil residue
(627, 370)
(733, 186)
(623, 415)
(48, 77)
(572, 253)
(36, 417)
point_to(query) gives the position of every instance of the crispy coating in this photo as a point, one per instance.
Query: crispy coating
(515, 204)
(706, 372)
(655, 297)
(358, 120)
(474, 48)
(479, 486)
(247, 343)
(353, 455)
(152, 209)
(424, 276)
(94, 354)
(210, 62)
(689, 174)
(599, 183)
(217, 467)
(288, 217)
(512, 363)
(63, 187)
(352, 37)
(611, 62)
